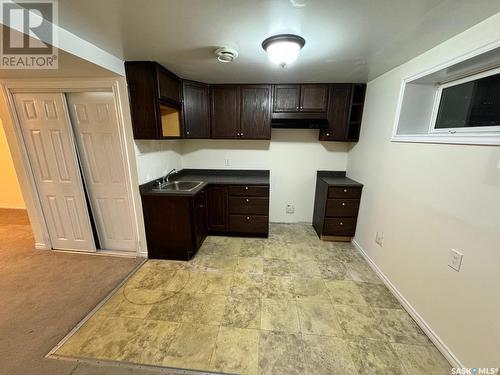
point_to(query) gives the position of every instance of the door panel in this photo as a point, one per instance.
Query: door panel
(217, 208)
(225, 115)
(313, 98)
(286, 98)
(94, 120)
(338, 113)
(256, 112)
(196, 110)
(49, 142)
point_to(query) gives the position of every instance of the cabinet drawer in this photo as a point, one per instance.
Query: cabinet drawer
(344, 192)
(249, 205)
(249, 190)
(340, 226)
(248, 224)
(342, 207)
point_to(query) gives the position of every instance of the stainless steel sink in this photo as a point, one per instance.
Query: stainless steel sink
(178, 186)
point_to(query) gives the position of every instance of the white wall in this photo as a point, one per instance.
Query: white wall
(428, 198)
(292, 156)
(156, 158)
(10, 192)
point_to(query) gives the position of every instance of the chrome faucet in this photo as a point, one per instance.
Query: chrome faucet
(165, 179)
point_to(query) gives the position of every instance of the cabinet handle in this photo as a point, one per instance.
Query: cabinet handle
(327, 134)
(248, 217)
(247, 200)
(297, 108)
(187, 133)
(201, 206)
(246, 187)
(343, 204)
(241, 134)
(341, 223)
(238, 134)
(345, 190)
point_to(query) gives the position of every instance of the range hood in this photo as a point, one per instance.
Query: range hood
(299, 123)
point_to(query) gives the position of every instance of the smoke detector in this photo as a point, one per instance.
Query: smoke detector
(225, 54)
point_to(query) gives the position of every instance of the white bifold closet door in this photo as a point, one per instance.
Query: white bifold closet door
(51, 151)
(95, 124)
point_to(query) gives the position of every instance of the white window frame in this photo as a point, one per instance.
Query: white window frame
(471, 130)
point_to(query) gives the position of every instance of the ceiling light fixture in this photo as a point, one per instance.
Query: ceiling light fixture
(283, 49)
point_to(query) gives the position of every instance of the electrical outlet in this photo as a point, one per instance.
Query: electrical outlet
(379, 238)
(227, 162)
(455, 259)
(290, 208)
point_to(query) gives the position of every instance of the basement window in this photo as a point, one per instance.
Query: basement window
(456, 103)
(468, 105)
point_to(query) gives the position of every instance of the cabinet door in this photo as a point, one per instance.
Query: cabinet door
(225, 115)
(338, 113)
(286, 98)
(255, 111)
(313, 98)
(168, 85)
(196, 110)
(217, 208)
(200, 218)
(143, 101)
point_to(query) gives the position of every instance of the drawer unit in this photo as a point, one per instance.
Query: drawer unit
(336, 206)
(345, 226)
(344, 192)
(251, 224)
(249, 205)
(342, 207)
(249, 191)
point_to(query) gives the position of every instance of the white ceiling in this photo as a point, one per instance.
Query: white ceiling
(346, 40)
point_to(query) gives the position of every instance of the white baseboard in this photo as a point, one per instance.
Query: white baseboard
(42, 246)
(436, 340)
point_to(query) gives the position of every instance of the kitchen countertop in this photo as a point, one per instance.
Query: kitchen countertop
(209, 176)
(337, 178)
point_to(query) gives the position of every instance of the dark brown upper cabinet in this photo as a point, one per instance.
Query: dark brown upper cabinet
(313, 98)
(241, 111)
(169, 85)
(286, 98)
(196, 111)
(345, 109)
(225, 111)
(154, 95)
(300, 98)
(255, 111)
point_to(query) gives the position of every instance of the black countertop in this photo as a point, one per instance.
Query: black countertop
(337, 178)
(209, 176)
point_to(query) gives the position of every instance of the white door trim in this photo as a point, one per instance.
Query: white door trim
(21, 162)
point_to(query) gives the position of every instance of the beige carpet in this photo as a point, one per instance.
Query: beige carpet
(43, 295)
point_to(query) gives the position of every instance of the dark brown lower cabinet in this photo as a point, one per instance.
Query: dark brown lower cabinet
(217, 208)
(238, 210)
(175, 225)
(336, 206)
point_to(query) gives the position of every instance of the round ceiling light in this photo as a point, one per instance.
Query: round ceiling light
(283, 49)
(225, 54)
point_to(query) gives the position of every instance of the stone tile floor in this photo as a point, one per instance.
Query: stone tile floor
(289, 304)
